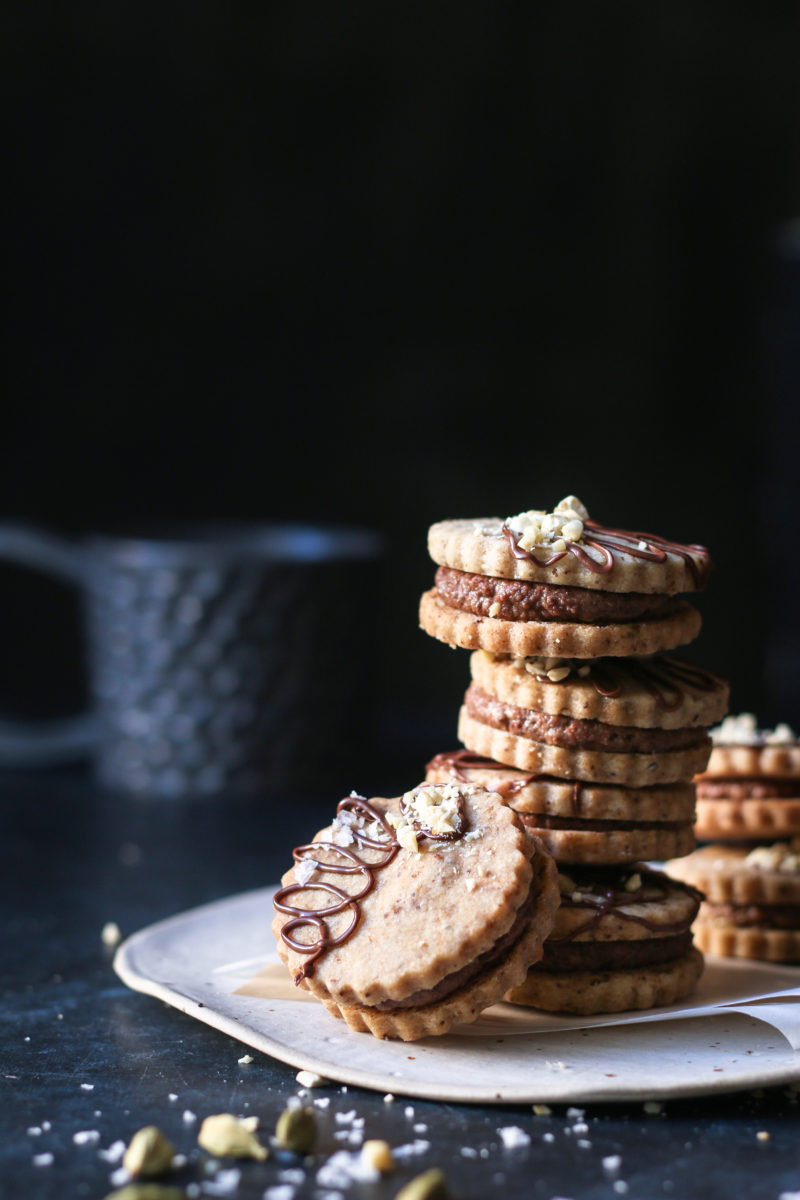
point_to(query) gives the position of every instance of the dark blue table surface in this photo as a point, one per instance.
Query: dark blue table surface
(81, 1052)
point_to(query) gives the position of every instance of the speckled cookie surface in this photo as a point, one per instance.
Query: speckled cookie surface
(658, 692)
(614, 906)
(612, 844)
(588, 992)
(431, 914)
(628, 769)
(564, 638)
(715, 936)
(479, 546)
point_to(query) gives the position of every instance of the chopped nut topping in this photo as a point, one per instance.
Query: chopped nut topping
(549, 532)
(227, 1137)
(435, 809)
(783, 857)
(742, 730)
(296, 1130)
(633, 883)
(555, 670)
(378, 1155)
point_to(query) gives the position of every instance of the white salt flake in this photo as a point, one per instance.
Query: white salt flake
(580, 1128)
(418, 1146)
(292, 1175)
(322, 1102)
(189, 1117)
(43, 1160)
(584, 1144)
(114, 1152)
(575, 1112)
(245, 1059)
(223, 1184)
(420, 1128)
(35, 1131)
(789, 1196)
(87, 1087)
(179, 1161)
(408, 1112)
(513, 1137)
(344, 1168)
(110, 934)
(388, 1098)
(620, 1187)
(86, 1137)
(305, 870)
(46, 1126)
(469, 1152)
(548, 1137)
(346, 1117)
(120, 1177)
(612, 1162)
(283, 1191)
(172, 1097)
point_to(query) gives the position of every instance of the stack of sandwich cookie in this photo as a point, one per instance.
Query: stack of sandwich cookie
(748, 796)
(752, 899)
(620, 941)
(750, 789)
(576, 715)
(406, 916)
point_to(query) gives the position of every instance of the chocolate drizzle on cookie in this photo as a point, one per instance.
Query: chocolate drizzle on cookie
(606, 540)
(610, 897)
(666, 679)
(360, 812)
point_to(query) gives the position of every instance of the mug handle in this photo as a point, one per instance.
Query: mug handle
(64, 739)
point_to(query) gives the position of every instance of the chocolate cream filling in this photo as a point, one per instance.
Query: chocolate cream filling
(773, 916)
(748, 789)
(484, 962)
(601, 956)
(572, 733)
(521, 600)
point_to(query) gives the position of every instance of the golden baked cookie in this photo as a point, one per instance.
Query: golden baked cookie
(628, 768)
(567, 639)
(620, 940)
(750, 789)
(659, 692)
(752, 905)
(581, 822)
(408, 915)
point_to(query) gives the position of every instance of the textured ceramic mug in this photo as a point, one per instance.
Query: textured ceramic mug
(222, 658)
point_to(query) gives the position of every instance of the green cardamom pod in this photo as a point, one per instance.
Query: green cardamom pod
(149, 1153)
(297, 1130)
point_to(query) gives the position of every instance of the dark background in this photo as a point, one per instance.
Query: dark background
(390, 264)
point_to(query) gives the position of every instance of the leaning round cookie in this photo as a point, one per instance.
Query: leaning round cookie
(582, 822)
(752, 906)
(600, 557)
(628, 768)
(657, 692)
(621, 940)
(406, 916)
(575, 639)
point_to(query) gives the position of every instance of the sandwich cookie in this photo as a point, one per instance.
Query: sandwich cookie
(620, 941)
(634, 722)
(580, 822)
(752, 904)
(750, 789)
(406, 916)
(560, 584)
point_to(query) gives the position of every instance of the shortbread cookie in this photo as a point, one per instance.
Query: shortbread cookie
(659, 692)
(406, 916)
(611, 560)
(506, 734)
(752, 906)
(620, 940)
(751, 786)
(582, 822)
(566, 638)
(560, 584)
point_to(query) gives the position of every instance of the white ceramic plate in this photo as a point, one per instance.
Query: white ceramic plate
(218, 963)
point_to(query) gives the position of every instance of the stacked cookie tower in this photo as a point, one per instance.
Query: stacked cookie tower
(748, 796)
(589, 730)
